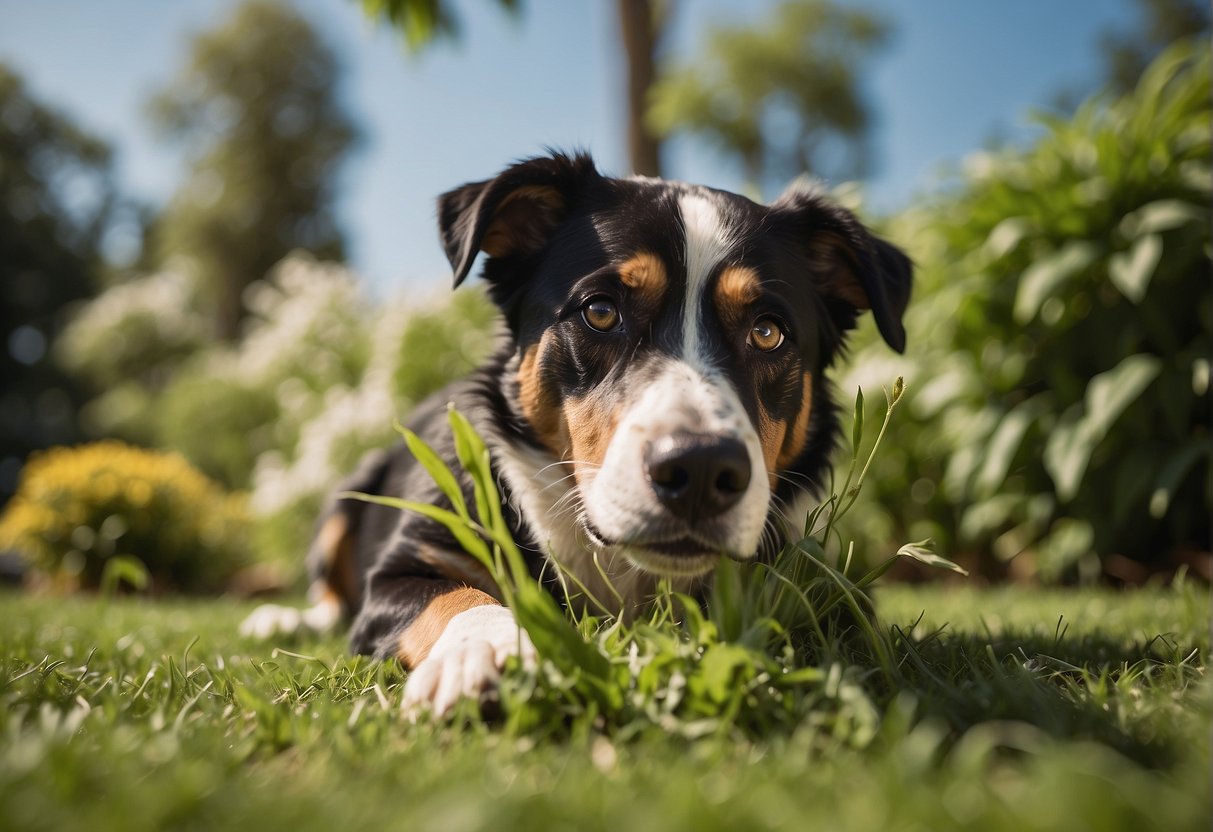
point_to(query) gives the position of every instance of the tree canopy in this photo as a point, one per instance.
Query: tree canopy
(55, 198)
(256, 107)
(784, 97)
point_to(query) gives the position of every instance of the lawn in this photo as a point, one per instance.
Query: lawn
(1013, 709)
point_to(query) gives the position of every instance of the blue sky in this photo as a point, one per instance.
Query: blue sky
(956, 74)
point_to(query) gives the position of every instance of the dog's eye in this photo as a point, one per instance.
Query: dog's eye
(765, 335)
(601, 314)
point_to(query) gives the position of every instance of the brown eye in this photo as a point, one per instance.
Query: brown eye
(600, 314)
(765, 335)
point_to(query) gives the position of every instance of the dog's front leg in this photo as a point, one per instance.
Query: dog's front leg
(454, 639)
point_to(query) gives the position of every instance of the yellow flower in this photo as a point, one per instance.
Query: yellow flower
(187, 531)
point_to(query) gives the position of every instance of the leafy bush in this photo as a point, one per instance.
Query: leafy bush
(1060, 344)
(77, 510)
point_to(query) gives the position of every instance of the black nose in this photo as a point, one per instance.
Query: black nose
(695, 476)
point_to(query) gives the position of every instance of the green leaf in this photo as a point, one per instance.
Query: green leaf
(922, 553)
(857, 430)
(123, 568)
(437, 469)
(1065, 544)
(1066, 455)
(1068, 451)
(1162, 215)
(471, 452)
(718, 671)
(1006, 236)
(1003, 445)
(1173, 472)
(1131, 271)
(1109, 393)
(1045, 277)
(455, 524)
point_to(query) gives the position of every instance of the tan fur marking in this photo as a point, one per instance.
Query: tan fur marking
(795, 443)
(522, 220)
(771, 433)
(336, 542)
(645, 274)
(538, 406)
(736, 289)
(591, 425)
(419, 637)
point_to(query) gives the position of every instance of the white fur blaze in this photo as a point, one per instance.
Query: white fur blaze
(707, 242)
(619, 499)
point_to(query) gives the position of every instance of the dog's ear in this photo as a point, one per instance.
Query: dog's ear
(849, 263)
(514, 214)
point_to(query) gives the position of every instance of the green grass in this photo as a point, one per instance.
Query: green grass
(133, 714)
(794, 701)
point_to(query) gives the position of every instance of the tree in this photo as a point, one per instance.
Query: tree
(256, 107)
(641, 25)
(784, 97)
(55, 199)
(1127, 54)
(423, 21)
(641, 28)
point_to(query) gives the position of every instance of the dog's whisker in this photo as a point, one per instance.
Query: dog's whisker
(587, 463)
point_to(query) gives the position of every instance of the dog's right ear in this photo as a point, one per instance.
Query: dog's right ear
(514, 214)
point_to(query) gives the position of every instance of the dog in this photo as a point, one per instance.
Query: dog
(659, 401)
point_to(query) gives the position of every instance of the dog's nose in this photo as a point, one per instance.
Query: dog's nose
(696, 476)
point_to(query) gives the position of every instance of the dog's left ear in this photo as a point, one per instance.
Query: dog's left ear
(514, 214)
(848, 262)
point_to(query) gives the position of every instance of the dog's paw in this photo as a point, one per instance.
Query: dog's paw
(466, 660)
(270, 620)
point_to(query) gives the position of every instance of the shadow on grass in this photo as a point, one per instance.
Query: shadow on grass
(1134, 697)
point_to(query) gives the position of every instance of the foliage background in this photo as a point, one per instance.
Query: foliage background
(1057, 425)
(1061, 326)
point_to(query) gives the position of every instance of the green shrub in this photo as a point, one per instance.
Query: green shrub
(443, 344)
(77, 510)
(1059, 344)
(220, 424)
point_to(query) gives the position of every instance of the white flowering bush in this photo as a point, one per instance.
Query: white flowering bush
(127, 342)
(134, 327)
(316, 380)
(415, 348)
(230, 404)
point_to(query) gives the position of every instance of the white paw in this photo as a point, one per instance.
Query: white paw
(270, 620)
(466, 660)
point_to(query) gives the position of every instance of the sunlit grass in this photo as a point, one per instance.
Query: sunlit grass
(801, 697)
(130, 714)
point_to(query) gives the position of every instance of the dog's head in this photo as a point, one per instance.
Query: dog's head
(670, 343)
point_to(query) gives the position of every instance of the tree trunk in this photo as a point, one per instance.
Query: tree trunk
(639, 29)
